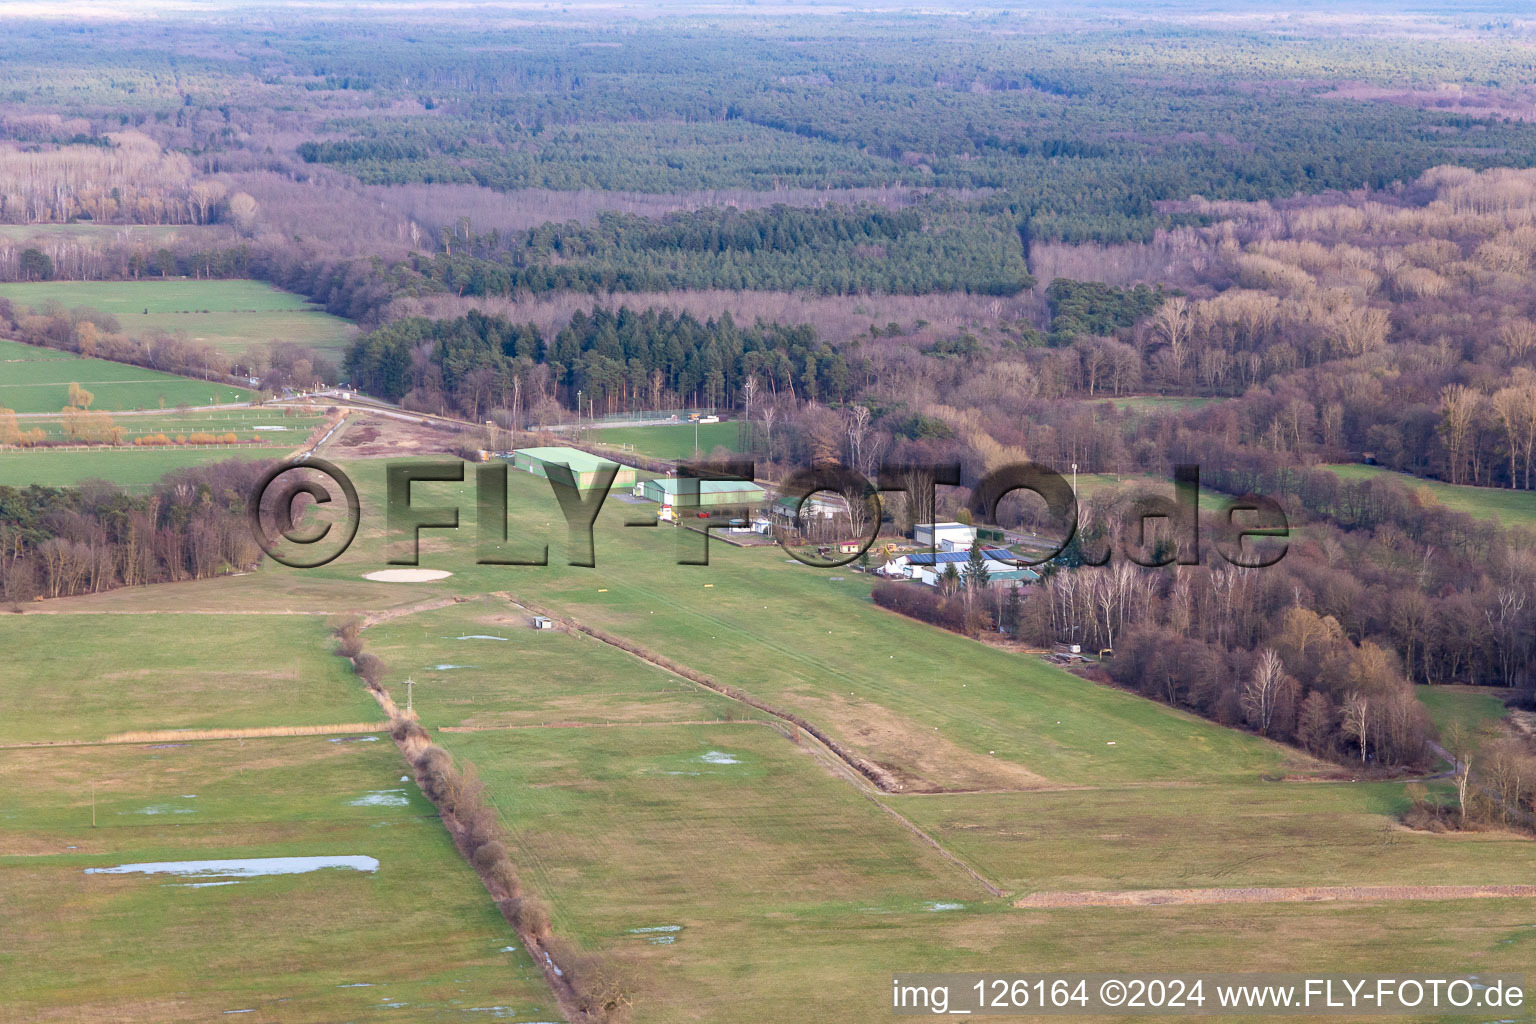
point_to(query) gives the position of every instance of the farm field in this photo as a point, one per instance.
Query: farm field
(413, 934)
(35, 379)
(671, 440)
(135, 467)
(131, 468)
(230, 315)
(1510, 508)
(271, 425)
(89, 677)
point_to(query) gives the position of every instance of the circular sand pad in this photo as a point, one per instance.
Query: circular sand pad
(406, 575)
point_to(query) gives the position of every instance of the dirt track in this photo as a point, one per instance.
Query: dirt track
(1292, 894)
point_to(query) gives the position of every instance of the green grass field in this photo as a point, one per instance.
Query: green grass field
(671, 440)
(87, 677)
(417, 937)
(1476, 710)
(34, 379)
(137, 468)
(735, 879)
(276, 426)
(527, 677)
(937, 709)
(731, 871)
(1510, 508)
(231, 316)
(134, 469)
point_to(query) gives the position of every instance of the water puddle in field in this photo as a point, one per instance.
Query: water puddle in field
(252, 867)
(496, 1012)
(474, 636)
(508, 949)
(383, 798)
(658, 935)
(200, 885)
(939, 907)
(165, 808)
(716, 757)
(449, 668)
(269, 428)
(355, 739)
(358, 984)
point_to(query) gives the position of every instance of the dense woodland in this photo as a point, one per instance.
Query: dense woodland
(78, 540)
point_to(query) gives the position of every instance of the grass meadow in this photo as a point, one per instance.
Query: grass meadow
(1477, 710)
(134, 469)
(86, 677)
(137, 468)
(671, 440)
(231, 316)
(482, 665)
(35, 379)
(937, 709)
(418, 937)
(1509, 508)
(735, 879)
(711, 858)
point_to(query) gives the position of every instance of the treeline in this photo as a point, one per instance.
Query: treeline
(55, 542)
(616, 359)
(831, 250)
(123, 178)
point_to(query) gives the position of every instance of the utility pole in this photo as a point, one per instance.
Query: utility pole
(1074, 481)
(410, 695)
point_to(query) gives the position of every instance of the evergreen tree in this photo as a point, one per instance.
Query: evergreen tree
(976, 573)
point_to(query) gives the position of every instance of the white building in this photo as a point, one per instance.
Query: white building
(945, 536)
(927, 567)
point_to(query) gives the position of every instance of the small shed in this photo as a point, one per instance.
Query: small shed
(543, 622)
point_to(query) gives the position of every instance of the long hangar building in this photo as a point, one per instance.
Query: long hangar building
(583, 465)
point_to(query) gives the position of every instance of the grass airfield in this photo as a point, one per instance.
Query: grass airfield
(735, 873)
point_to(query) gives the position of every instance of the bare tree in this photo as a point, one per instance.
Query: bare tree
(1261, 693)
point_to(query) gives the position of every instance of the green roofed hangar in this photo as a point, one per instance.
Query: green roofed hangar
(670, 491)
(583, 465)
